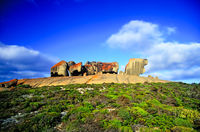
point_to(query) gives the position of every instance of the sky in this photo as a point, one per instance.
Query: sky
(36, 34)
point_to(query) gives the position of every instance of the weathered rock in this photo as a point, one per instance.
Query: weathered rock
(70, 63)
(9, 83)
(88, 62)
(76, 69)
(121, 72)
(101, 67)
(108, 67)
(90, 69)
(93, 79)
(135, 66)
(60, 69)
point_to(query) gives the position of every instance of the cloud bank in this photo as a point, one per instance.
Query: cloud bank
(20, 62)
(168, 60)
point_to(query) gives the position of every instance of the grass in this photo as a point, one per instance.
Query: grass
(102, 107)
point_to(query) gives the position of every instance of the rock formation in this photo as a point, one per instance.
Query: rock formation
(60, 69)
(101, 67)
(9, 83)
(76, 69)
(108, 67)
(135, 66)
(121, 72)
(90, 68)
(70, 63)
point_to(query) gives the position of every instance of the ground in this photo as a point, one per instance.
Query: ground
(111, 107)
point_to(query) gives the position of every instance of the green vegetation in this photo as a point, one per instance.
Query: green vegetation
(149, 107)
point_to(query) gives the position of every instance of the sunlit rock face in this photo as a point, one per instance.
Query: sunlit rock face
(93, 68)
(76, 69)
(60, 69)
(135, 66)
(8, 84)
(112, 67)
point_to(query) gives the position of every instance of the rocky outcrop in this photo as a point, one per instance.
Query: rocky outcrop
(90, 69)
(121, 73)
(93, 68)
(9, 84)
(76, 69)
(135, 66)
(108, 67)
(71, 63)
(92, 79)
(59, 69)
(70, 68)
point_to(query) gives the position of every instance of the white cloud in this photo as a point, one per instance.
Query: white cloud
(173, 55)
(174, 61)
(136, 35)
(20, 62)
(14, 52)
(167, 60)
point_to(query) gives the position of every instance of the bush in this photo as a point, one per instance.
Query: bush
(188, 114)
(23, 86)
(111, 124)
(40, 122)
(137, 111)
(162, 121)
(182, 122)
(124, 114)
(182, 129)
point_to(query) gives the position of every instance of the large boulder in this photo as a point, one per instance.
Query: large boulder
(101, 67)
(135, 66)
(60, 69)
(70, 63)
(90, 68)
(112, 67)
(76, 69)
(9, 83)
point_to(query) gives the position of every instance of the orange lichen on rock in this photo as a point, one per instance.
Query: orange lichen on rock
(76, 65)
(108, 66)
(76, 69)
(13, 80)
(59, 63)
(88, 65)
(21, 81)
(8, 84)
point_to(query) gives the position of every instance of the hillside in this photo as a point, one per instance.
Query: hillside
(102, 107)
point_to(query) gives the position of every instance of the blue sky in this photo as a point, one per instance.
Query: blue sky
(35, 34)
